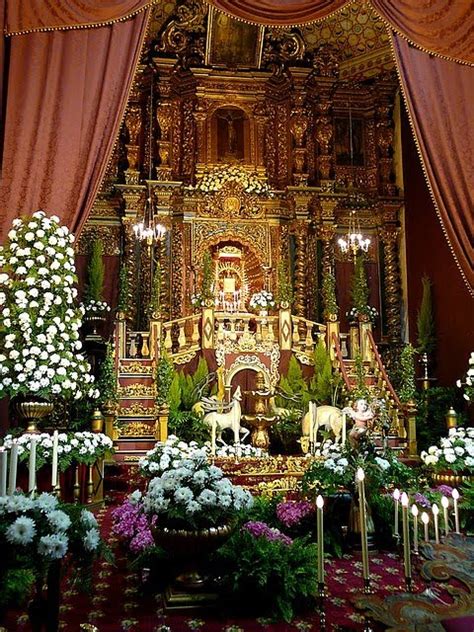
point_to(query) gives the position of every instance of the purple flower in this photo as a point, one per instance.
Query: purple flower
(291, 512)
(421, 500)
(131, 524)
(446, 490)
(262, 530)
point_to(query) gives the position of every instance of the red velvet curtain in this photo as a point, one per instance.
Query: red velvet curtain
(25, 16)
(439, 95)
(67, 92)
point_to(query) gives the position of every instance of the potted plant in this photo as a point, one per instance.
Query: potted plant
(361, 310)
(452, 461)
(40, 350)
(93, 304)
(261, 302)
(193, 505)
(206, 294)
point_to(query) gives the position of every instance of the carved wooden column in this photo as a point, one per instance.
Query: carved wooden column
(298, 128)
(326, 234)
(164, 117)
(384, 140)
(389, 235)
(177, 269)
(200, 115)
(260, 112)
(133, 123)
(300, 231)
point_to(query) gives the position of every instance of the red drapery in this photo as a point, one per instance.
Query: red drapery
(439, 96)
(25, 16)
(67, 92)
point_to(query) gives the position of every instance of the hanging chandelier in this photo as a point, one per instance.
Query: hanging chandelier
(147, 228)
(353, 242)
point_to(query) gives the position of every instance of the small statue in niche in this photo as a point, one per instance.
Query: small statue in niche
(230, 134)
(362, 415)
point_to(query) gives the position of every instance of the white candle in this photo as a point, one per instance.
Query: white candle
(344, 429)
(445, 504)
(213, 440)
(311, 425)
(455, 495)
(406, 538)
(360, 476)
(32, 466)
(425, 519)
(414, 512)
(3, 471)
(435, 510)
(13, 468)
(54, 470)
(396, 498)
(320, 536)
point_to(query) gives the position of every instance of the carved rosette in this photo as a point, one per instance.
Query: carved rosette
(389, 237)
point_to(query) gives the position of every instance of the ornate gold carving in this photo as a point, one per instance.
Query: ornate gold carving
(108, 235)
(230, 202)
(137, 409)
(184, 34)
(184, 357)
(255, 235)
(177, 270)
(300, 231)
(136, 390)
(136, 429)
(135, 368)
(325, 61)
(389, 237)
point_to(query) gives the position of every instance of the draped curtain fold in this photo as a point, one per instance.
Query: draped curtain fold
(25, 16)
(439, 98)
(67, 92)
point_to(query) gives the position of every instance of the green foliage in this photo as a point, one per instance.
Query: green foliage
(433, 404)
(174, 394)
(207, 277)
(360, 289)
(360, 391)
(164, 379)
(285, 288)
(328, 292)
(155, 302)
(293, 387)
(466, 507)
(425, 321)
(17, 584)
(276, 576)
(200, 375)
(381, 506)
(322, 383)
(95, 274)
(407, 374)
(107, 382)
(188, 394)
(123, 292)
(286, 431)
(188, 426)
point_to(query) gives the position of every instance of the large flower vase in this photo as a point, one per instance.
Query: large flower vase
(190, 551)
(30, 410)
(94, 320)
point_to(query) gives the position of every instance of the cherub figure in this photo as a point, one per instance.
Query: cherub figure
(362, 415)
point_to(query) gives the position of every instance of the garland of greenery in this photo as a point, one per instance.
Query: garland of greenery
(124, 287)
(107, 382)
(285, 288)
(155, 303)
(328, 292)
(360, 288)
(360, 390)
(163, 380)
(407, 374)
(206, 285)
(95, 274)
(425, 320)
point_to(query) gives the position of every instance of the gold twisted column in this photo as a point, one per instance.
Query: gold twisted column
(389, 237)
(300, 269)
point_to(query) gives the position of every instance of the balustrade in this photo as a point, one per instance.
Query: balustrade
(306, 335)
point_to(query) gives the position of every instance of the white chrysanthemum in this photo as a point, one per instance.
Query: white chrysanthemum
(17, 503)
(53, 546)
(59, 520)
(46, 502)
(22, 531)
(91, 539)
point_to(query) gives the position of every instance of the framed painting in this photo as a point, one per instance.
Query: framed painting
(232, 43)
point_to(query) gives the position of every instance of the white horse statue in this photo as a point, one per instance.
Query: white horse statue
(324, 416)
(219, 421)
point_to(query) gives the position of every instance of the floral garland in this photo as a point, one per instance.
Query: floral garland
(74, 447)
(455, 452)
(262, 300)
(39, 326)
(215, 179)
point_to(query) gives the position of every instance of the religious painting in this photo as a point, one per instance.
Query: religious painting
(232, 43)
(349, 142)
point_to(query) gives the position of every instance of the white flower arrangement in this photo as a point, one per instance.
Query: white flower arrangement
(455, 452)
(39, 325)
(215, 179)
(92, 307)
(468, 383)
(194, 494)
(73, 447)
(262, 300)
(44, 529)
(371, 313)
(197, 300)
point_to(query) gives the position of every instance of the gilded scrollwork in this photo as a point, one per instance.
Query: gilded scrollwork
(230, 202)
(255, 235)
(108, 235)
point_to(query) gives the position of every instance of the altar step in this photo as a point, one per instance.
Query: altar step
(131, 448)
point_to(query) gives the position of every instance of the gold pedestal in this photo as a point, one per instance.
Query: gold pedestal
(260, 425)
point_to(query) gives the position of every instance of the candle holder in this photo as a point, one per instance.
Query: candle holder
(322, 591)
(368, 590)
(409, 584)
(57, 490)
(76, 490)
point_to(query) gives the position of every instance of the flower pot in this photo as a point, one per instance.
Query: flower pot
(190, 550)
(93, 320)
(454, 479)
(30, 409)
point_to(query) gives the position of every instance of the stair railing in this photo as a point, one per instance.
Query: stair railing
(381, 369)
(340, 361)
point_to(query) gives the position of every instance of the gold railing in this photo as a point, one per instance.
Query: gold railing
(306, 334)
(240, 327)
(182, 335)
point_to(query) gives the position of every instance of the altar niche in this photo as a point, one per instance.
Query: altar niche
(231, 127)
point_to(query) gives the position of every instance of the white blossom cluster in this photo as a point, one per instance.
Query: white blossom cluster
(194, 490)
(468, 383)
(39, 524)
(82, 447)
(456, 451)
(215, 179)
(369, 311)
(95, 307)
(244, 450)
(262, 299)
(39, 323)
(335, 461)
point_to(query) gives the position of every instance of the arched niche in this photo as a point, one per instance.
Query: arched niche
(230, 136)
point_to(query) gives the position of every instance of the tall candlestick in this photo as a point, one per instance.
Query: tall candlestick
(54, 470)
(311, 427)
(435, 510)
(414, 511)
(213, 439)
(344, 429)
(425, 519)
(320, 535)
(32, 466)
(396, 498)
(360, 476)
(3, 471)
(13, 468)
(455, 495)
(406, 541)
(445, 504)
